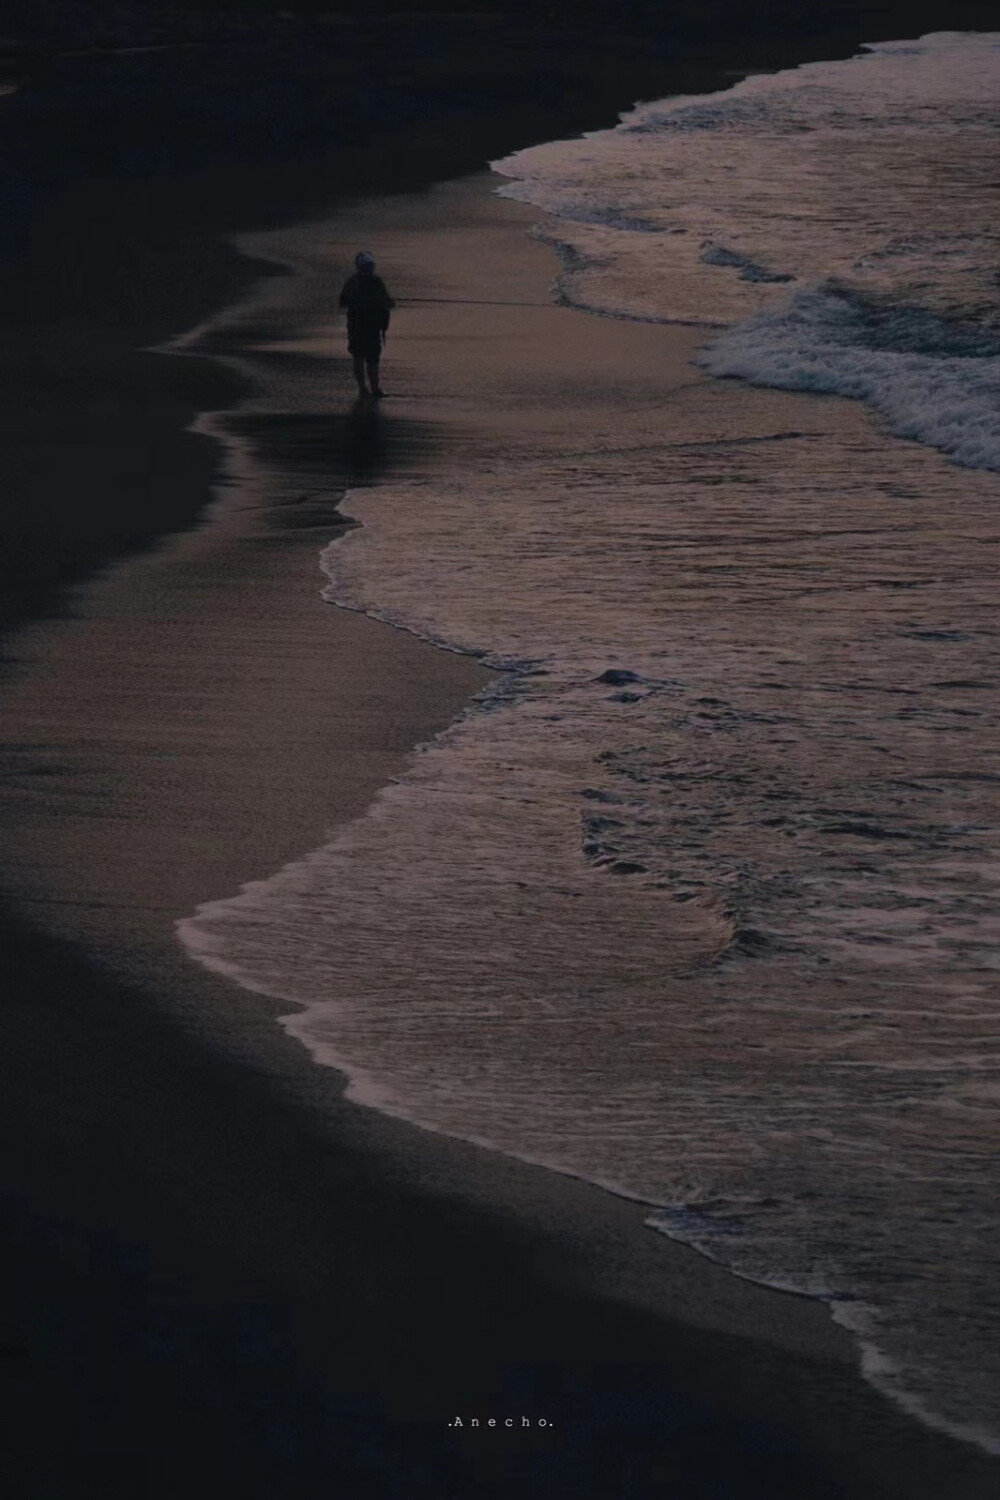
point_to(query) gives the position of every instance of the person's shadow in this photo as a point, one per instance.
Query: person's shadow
(311, 455)
(371, 443)
(364, 449)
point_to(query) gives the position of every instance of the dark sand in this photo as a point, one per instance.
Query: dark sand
(220, 1280)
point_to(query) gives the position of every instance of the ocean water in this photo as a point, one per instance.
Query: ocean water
(699, 902)
(838, 220)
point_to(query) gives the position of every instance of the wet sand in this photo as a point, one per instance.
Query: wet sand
(331, 1286)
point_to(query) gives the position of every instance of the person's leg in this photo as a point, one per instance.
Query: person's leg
(359, 375)
(373, 380)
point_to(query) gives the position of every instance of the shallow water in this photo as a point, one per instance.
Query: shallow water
(700, 902)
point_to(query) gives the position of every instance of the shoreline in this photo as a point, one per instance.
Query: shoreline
(620, 1260)
(512, 1216)
(404, 245)
(535, 262)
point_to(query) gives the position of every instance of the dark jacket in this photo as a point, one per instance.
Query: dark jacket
(368, 304)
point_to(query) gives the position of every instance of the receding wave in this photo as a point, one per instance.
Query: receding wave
(934, 381)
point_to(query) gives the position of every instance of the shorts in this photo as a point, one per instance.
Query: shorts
(365, 343)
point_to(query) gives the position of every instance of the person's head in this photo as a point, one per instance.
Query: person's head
(365, 262)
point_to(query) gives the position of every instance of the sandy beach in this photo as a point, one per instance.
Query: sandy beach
(203, 717)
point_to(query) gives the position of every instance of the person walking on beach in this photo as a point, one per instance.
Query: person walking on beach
(368, 307)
